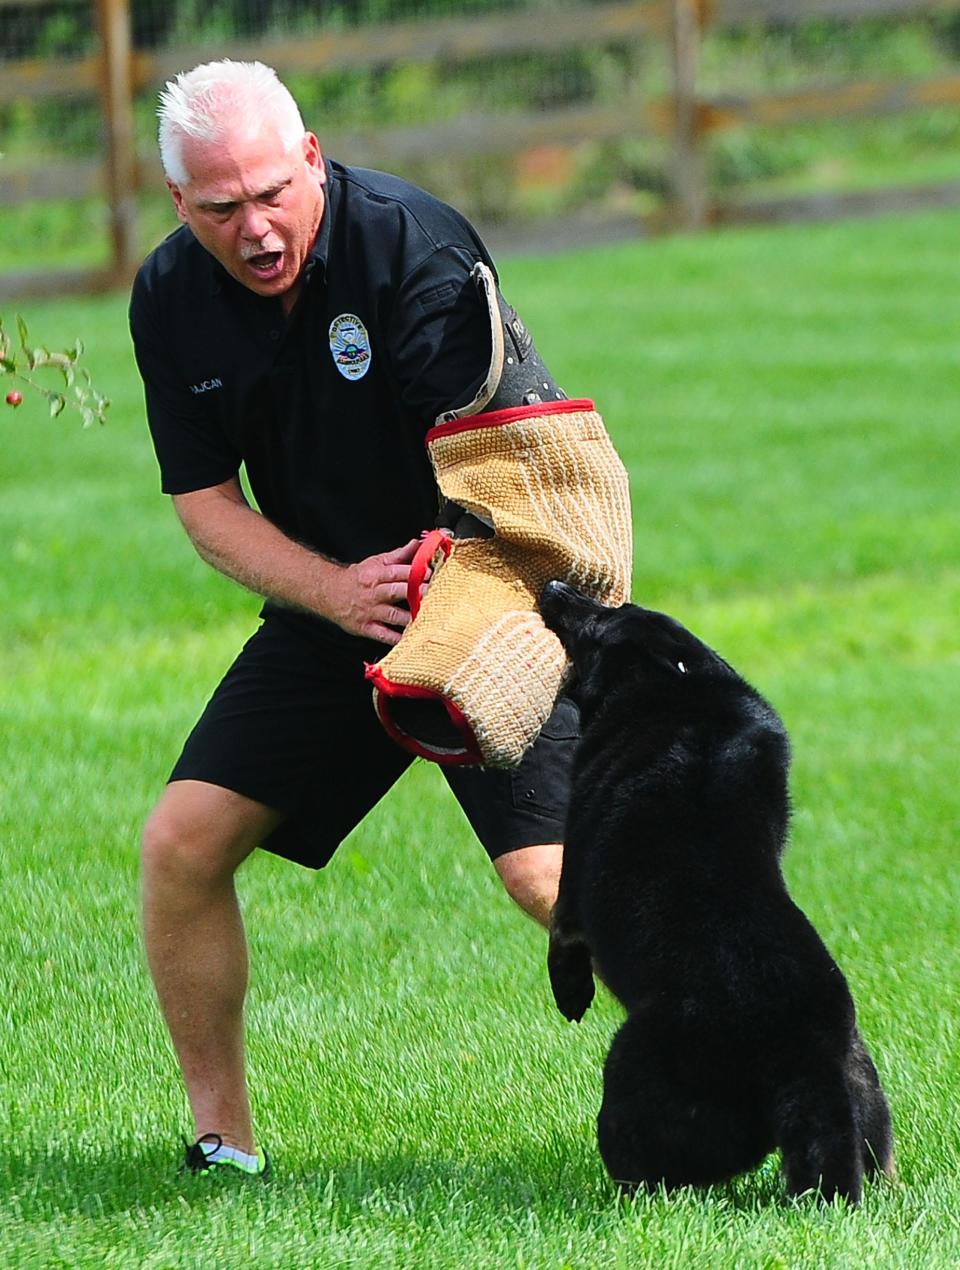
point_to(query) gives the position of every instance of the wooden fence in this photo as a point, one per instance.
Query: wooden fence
(683, 119)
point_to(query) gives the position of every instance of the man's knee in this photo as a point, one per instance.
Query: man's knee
(174, 849)
(531, 876)
(199, 834)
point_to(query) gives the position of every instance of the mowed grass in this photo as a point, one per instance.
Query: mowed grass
(786, 402)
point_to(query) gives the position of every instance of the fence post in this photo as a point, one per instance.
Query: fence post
(113, 21)
(688, 176)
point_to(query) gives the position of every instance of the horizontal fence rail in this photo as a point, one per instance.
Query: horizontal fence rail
(444, 39)
(862, 99)
(454, 40)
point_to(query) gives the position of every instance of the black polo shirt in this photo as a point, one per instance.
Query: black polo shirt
(327, 409)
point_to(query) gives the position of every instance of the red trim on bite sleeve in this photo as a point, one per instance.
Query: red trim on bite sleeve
(497, 418)
(385, 690)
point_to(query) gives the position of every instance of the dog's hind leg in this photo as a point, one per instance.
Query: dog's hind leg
(569, 965)
(871, 1110)
(817, 1131)
(661, 1125)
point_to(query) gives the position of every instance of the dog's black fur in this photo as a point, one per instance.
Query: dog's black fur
(741, 1035)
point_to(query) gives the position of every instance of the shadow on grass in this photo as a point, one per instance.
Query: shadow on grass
(40, 1185)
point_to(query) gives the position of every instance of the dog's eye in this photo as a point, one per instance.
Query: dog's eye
(681, 667)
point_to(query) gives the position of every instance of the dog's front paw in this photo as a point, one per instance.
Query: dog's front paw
(571, 978)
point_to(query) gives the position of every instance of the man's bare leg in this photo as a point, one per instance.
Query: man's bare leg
(193, 843)
(531, 876)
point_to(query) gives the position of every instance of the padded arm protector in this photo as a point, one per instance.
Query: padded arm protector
(476, 674)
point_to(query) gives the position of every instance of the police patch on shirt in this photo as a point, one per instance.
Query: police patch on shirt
(350, 346)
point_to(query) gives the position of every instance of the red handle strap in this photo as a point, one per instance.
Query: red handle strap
(434, 540)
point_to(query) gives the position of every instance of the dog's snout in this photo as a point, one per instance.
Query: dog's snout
(554, 590)
(552, 598)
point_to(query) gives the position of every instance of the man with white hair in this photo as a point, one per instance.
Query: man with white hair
(308, 322)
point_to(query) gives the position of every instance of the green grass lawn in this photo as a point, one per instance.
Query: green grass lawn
(783, 400)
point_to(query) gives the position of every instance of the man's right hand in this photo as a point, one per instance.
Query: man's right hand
(369, 598)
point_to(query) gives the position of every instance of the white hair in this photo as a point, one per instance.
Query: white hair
(218, 97)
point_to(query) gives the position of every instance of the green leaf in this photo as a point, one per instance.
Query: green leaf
(22, 329)
(57, 402)
(56, 361)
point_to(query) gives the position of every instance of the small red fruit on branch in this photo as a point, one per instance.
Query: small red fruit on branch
(76, 390)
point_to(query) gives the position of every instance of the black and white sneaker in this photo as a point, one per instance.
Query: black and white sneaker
(208, 1154)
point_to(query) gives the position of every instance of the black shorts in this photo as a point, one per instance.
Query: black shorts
(292, 726)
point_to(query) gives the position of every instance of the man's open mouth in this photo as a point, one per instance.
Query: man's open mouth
(266, 264)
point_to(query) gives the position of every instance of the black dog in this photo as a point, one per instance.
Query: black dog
(741, 1035)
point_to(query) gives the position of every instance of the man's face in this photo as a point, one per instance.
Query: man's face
(254, 208)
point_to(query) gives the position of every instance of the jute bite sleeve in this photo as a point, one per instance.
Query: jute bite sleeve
(476, 674)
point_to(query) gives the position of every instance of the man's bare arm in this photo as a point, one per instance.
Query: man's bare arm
(367, 598)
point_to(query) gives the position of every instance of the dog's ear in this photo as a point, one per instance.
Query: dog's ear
(673, 650)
